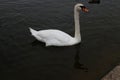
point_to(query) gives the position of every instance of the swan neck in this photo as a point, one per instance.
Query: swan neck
(77, 24)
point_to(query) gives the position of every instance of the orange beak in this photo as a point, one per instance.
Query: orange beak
(84, 9)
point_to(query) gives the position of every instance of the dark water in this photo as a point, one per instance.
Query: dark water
(24, 58)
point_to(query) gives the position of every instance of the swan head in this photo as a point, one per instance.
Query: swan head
(80, 6)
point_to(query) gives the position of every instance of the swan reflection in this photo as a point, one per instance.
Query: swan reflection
(36, 42)
(77, 64)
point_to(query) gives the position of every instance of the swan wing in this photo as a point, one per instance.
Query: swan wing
(54, 37)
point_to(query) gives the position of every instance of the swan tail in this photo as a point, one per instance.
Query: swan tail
(33, 32)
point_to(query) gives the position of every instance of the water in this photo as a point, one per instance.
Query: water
(24, 58)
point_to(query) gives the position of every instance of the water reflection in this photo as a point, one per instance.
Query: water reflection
(77, 64)
(36, 42)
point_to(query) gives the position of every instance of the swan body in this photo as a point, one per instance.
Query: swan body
(53, 37)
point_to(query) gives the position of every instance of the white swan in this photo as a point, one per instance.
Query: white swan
(53, 37)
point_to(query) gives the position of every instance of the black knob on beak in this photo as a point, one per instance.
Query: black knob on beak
(84, 9)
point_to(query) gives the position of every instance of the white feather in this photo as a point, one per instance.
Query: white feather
(53, 37)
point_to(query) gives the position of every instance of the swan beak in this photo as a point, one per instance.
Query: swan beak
(84, 9)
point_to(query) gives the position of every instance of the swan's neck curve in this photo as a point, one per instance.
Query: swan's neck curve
(77, 24)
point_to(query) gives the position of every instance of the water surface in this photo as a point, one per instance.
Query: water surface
(24, 58)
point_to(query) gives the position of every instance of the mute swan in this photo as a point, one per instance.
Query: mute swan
(53, 37)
